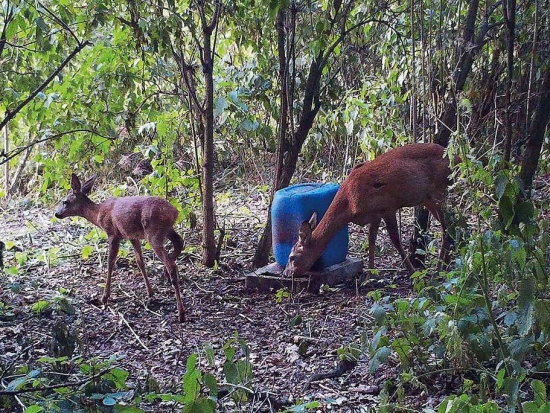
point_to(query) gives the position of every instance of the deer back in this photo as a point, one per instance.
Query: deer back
(135, 217)
(403, 177)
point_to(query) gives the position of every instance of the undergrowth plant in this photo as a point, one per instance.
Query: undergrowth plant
(73, 384)
(485, 324)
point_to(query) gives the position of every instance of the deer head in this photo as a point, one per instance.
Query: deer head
(74, 204)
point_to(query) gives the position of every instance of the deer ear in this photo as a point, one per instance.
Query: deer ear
(304, 234)
(87, 186)
(75, 183)
(313, 221)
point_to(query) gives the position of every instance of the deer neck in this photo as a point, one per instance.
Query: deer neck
(92, 212)
(336, 217)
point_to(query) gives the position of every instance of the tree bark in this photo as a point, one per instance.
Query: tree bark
(207, 58)
(509, 9)
(535, 139)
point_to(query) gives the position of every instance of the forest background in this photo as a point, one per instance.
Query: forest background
(194, 100)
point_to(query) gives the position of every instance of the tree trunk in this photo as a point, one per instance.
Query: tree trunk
(468, 48)
(263, 249)
(290, 143)
(535, 139)
(208, 239)
(509, 9)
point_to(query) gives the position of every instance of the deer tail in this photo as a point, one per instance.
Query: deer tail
(177, 242)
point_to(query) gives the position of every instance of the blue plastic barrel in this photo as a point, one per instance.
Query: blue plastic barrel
(295, 204)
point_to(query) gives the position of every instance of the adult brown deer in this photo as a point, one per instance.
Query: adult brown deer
(409, 175)
(133, 218)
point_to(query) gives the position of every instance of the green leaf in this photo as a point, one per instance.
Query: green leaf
(40, 306)
(378, 312)
(530, 407)
(191, 380)
(16, 384)
(378, 358)
(296, 320)
(109, 401)
(542, 311)
(526, 300)
(211, 383)
(65, 306)
(87, 250)
(525, 211)
(118, 376)
(480, 346)
(209, 351)
(34, 409)
(539, 391)
(500, 378)
(220, 105)
(202, 405)
(500, 184)
(506, 209)
(129, 409)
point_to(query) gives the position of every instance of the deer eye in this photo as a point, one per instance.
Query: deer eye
(378, 185)
(65, 203)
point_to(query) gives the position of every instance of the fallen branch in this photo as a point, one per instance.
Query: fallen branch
(342, 367)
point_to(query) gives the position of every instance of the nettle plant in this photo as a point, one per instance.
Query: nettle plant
(489, 319)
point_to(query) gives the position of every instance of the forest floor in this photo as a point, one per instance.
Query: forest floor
(149, 342)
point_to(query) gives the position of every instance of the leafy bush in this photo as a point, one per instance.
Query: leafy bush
(487, 320)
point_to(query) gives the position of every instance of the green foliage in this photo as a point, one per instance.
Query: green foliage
(282, 294)
(100, 384)
(487, 318)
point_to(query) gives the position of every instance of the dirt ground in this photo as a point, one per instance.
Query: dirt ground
(146, 336)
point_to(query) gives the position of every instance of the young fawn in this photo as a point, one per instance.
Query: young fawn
(409, 175)
(133, 218)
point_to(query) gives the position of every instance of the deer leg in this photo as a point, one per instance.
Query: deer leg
(373, 233)
(172, 270)
(114, 244)
(437, 212)
(393, 231)
(177, 243)
(139, 259)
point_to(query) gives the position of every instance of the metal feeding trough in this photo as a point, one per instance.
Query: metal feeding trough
(291, 206)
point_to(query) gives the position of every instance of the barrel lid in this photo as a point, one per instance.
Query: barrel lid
(305, 188)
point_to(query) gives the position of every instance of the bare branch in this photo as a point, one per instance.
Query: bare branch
(11, 114)
(13, 153)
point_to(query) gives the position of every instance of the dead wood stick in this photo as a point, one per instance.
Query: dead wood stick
(130, 327)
